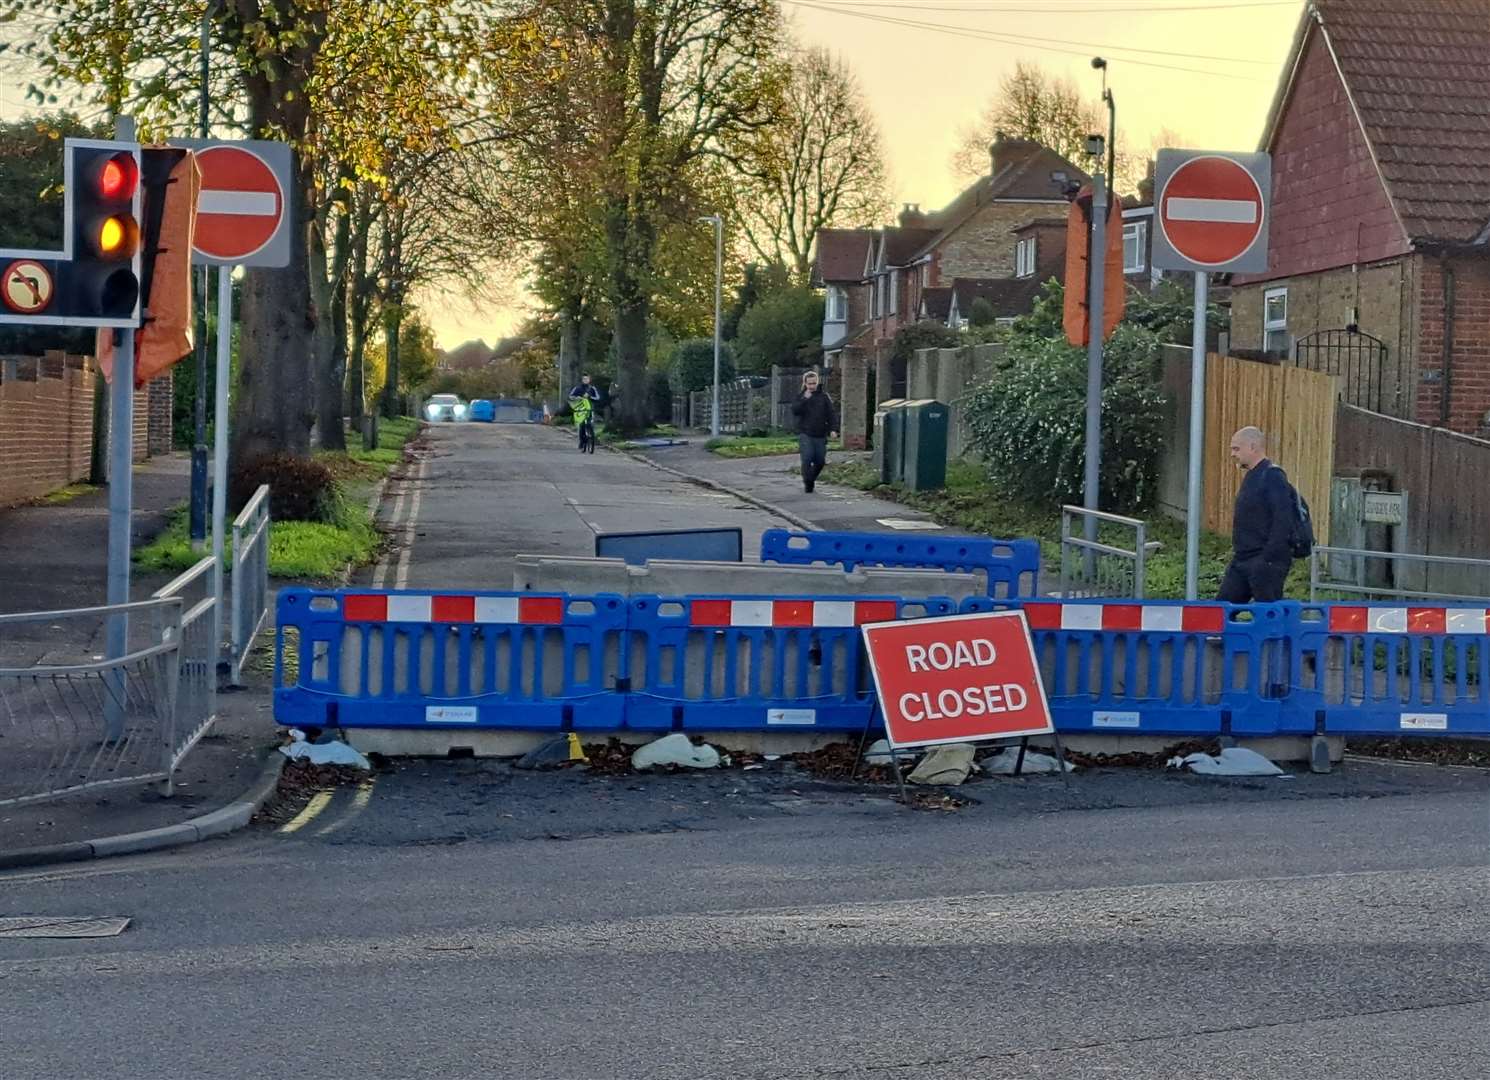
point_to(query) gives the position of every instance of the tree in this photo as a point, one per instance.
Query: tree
(1032, 104)
(981, 313)
(758, 283)
(785, 328)
(820, 164)
(693, 365)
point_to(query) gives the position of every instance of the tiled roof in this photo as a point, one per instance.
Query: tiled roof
(841, 254)
(1009, 296)
(937, 300)
(902, 245)
(1418, 72)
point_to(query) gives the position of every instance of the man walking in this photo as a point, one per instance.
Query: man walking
(1261, 526)
(817, 420)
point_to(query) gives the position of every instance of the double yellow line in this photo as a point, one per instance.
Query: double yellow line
(322, 799)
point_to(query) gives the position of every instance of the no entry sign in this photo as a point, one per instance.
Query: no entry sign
(957, 679)
(1211, 210)
(243, 209)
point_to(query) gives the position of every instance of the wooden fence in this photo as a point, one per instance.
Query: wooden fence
(1294, 407)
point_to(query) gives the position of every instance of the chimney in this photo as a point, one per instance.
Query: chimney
(911, 216)
(995, 152)
(1146, 187)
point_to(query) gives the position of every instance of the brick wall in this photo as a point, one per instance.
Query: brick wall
(984, 246)
(1468, 380)
(46, 423)
(1329, 207)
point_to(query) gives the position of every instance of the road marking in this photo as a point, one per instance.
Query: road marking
(359, 804)
(401, 581)
(318, 802)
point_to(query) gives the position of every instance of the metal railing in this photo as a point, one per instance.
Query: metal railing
(75, 726)
(250, 578)
(1101, 566)
(196, 692)
(1339, 572)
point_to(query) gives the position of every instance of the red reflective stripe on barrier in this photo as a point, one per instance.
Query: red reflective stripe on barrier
(1122, 617)
(1204, 620)
(540, 609)
(791, 613)
(364, 608)
(454, 609)
(1043, 616)
(1427, 621)
(1349, 620)
(868, 611)
(709, 613)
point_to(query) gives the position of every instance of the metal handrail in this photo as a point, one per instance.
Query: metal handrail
(252, 507)
(102, 609)
(1321, 554)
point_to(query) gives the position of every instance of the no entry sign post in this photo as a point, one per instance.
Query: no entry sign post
(243, 219)
(958, 679)
(1211, 209)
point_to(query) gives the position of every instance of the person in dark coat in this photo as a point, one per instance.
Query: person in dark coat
(1261, 526)
(817, 422)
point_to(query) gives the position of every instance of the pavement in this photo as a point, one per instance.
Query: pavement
(771, 482)
(55, 558)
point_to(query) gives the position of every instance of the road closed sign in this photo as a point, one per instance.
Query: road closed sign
(957, 679)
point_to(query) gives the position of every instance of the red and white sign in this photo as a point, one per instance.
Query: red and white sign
(241, 204)
(957, 679)
(1211, 211)
(26, 287)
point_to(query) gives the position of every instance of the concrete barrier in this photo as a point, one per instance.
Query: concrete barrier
(678, 577)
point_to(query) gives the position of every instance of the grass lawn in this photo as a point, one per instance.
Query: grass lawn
(749, 446)
(307, 550)
(970, 505)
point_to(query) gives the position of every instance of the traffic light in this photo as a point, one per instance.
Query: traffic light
(100, 283)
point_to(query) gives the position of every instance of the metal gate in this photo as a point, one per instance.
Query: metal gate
(1358, 358)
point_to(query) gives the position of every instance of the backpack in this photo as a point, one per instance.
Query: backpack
(1301, 537)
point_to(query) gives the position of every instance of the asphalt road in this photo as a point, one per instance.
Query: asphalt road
(460, 919)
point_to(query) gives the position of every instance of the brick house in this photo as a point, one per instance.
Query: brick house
(1379, 235)
(973, 238)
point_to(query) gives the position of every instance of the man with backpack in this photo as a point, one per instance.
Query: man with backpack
(1269, 527)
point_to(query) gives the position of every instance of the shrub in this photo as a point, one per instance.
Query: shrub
(1029, 423)
(981, 313)
(300, 489)
(662, 392)
(929, 334)
(693, 364)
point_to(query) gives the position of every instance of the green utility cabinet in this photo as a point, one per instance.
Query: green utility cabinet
(924, 444)
(889, 440)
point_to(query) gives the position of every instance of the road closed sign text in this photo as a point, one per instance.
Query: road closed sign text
(957, 679)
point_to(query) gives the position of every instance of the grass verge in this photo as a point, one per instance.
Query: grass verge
(66, 495)
(750, 446)
(970, 504)
(306, 550)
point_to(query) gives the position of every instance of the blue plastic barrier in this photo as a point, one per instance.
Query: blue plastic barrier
(483, 660)
(1156, 668)
(1390, 670)
(741, 663)
(1012, 566)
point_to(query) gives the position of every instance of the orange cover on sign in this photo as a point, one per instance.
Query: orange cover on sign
(1078, 273)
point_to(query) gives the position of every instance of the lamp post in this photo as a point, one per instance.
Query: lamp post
(718, 223)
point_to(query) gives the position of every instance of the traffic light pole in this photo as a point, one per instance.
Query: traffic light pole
(121, 487)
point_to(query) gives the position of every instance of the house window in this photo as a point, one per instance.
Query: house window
(837, 304)
(1135, 245)
(1024, 258)
(1275, 321)
(894, 293)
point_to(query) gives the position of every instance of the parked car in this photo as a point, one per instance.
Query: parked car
(482, 411)
(445, 407)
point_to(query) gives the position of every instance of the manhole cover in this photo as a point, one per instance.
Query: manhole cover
(64, 926)
(907, 525)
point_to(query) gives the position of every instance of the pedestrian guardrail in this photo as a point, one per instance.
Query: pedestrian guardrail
(250, 579)
(1012, 566)
(1103, 555)
(196, 689)
(80, 725)
(1360, 574)
(528, 661)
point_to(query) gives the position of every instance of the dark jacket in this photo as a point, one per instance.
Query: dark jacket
(1263, 519)
(582, 391)
(816, 415)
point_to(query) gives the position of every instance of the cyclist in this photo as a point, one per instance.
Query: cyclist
(583, 399)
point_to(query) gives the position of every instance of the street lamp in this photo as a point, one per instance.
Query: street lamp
(718, 223)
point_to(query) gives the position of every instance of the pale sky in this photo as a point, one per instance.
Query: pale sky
(923, 85)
